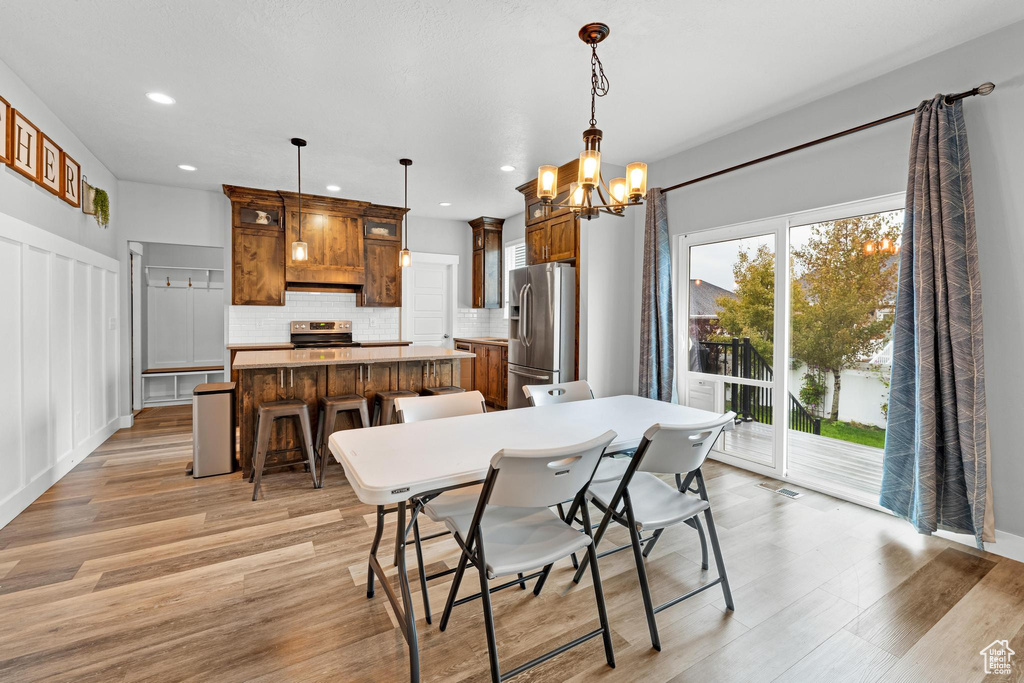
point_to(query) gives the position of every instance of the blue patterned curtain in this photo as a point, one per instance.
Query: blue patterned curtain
(657, 358)
(936, 459)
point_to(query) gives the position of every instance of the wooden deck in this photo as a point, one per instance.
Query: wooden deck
(852, 467)
(128, 570)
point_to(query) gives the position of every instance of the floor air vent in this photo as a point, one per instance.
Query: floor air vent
(788, 493)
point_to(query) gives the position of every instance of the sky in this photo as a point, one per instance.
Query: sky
(713, 262)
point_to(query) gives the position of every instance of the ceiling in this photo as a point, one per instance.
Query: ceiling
(461, 87)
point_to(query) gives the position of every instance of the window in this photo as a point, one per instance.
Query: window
(515, 257)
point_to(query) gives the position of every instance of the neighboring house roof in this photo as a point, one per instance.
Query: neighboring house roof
(704, 298)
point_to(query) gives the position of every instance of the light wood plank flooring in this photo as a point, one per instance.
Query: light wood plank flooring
(129, 570)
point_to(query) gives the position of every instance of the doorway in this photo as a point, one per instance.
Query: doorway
(429, 288)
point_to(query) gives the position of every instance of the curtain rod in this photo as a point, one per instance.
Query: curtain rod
(983, 89)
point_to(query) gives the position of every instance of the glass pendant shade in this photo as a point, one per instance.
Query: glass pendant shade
(869, 248)
(589, 173)
(618, 190)
(300, 251)
(886, 245)
(576, 194)
(405, 258)
(636, 179)
(547, 182)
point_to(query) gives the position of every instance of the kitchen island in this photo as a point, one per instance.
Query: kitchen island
(309, 374)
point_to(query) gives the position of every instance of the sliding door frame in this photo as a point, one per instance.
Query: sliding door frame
(780, 227)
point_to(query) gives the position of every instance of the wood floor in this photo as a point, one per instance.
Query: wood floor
(128, 570)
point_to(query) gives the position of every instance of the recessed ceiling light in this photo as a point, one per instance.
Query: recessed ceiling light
(333, 188)
(160, 98)
(186, 167)
(506, 168)
(444, 203)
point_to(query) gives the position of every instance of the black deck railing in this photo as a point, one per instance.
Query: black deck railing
(738, 358)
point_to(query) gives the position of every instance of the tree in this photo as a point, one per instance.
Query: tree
(752, 312)
(843, 298)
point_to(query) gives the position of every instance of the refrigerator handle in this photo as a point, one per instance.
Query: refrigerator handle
(524, 322)
(519, 373)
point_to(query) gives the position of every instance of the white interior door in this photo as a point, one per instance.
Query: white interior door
(427, 303)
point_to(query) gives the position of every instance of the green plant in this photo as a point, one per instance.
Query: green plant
(101, 205)
(813, 391)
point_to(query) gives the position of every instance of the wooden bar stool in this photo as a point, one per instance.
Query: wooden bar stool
(269, 413)
(440, 391)
(384, 405)
(330, 407)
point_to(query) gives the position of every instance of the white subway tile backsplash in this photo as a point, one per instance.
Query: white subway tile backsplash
(267, 324)
(270, 323)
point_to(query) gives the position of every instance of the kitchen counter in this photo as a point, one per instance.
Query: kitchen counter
(351, 355)
(496, 341)
(311, 374)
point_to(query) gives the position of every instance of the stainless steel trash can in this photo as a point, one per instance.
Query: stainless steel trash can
(213, 429)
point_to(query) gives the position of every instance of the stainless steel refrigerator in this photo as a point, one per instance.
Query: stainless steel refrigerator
(542, 328)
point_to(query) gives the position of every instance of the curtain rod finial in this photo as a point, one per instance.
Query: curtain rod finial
(986, 88)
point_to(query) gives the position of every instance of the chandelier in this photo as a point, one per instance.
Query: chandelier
(300, 250)
(621, 192)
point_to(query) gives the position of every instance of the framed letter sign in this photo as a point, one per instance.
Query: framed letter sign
(49, 164)
(5, 131)
(71, 181)
(24, 146)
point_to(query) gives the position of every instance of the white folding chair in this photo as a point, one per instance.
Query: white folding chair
(568, 392)
(513, 530)
(458, 501)
(641, 501)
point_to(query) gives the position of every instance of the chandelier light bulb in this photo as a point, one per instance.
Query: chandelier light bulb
(636, 175)
(618, 190)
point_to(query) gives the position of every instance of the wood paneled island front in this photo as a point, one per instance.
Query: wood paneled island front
(308, 374)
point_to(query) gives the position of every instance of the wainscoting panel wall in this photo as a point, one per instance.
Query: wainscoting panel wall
(58, 358)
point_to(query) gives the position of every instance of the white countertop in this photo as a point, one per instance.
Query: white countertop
(391, 463)
(284, 358)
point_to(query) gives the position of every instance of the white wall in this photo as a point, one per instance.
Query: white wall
(59, 338)
(873, 163)
(21, 198)
(58, 357)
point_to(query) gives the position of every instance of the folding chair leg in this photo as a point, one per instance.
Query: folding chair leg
(597, 540)
(719, 561)
(651, 543)
(602, 612)
(453, 591)
(485, 597)
(641, 572)
(703, 543)
(423, 573)
(522, 584)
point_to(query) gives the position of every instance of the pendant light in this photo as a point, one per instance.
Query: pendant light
(300, 250)
(622, 192)
(405, 256)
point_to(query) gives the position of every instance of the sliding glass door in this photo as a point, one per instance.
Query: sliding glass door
(787, 321)
(730, 324)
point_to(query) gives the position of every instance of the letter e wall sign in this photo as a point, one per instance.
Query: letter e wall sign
(50, 164)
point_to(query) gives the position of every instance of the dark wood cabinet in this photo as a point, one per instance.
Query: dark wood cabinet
(257, 267)
(489, 373)
(383, 286)
(352, 247)
(552, 240)
(466, 366)
(487, 262)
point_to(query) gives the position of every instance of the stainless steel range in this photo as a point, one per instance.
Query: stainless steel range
(321, 333)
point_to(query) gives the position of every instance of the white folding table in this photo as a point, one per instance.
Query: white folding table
(390, 464)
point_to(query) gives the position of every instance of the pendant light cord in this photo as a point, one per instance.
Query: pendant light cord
(405, 216)
(298, 148)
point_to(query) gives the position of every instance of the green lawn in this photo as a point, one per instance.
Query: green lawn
(854, 432)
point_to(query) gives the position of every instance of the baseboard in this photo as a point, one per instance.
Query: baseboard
(127, 421)
(1006, 544)
(17, 502)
